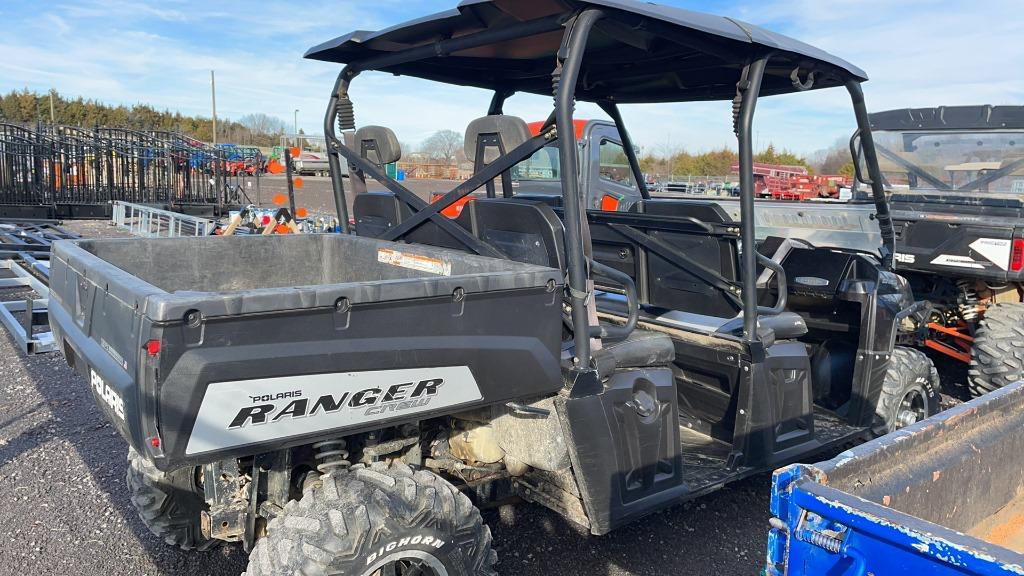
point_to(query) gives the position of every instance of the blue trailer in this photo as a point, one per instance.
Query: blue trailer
(942, 497)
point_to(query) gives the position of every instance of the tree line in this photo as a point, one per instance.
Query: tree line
(26, 107)
(720, 162)
(446, 146)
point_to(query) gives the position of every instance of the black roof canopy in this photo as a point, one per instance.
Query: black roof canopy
(984, 117)
(640, 52)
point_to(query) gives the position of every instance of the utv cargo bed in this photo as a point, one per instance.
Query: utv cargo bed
(205, 348)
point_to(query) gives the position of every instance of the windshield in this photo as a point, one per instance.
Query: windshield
(988, 161)
(543, 165)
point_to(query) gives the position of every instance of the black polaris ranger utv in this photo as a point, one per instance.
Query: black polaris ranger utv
(337, 419)
(956, 174)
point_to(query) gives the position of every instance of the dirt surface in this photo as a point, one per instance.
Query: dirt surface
(1004, 528)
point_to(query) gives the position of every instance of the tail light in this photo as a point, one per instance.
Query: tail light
(153, 347)
(1017, 256)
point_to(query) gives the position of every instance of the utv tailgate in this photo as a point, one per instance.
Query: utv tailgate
(204, 348)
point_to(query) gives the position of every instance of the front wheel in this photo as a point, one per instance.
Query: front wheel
(910, 392)
(381, 520)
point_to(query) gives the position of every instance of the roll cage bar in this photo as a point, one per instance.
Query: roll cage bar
(565, 80)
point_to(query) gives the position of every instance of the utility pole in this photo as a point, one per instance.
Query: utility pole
(296, 125)
(213, 95)
(52, 115)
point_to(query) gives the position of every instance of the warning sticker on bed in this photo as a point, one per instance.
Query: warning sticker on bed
(414, 262)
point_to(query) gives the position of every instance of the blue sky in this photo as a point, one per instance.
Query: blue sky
(917, 53)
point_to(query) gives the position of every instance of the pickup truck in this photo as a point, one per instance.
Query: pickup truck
(942, 497)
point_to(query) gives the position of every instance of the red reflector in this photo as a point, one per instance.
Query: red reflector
(266, 220)
(609, 203)
(153, 347)
(1017, 257)
(154, 441)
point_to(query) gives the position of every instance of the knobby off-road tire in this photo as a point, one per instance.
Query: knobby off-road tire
(910, 392)
(997, 358)
(169, 503)
(368, 520)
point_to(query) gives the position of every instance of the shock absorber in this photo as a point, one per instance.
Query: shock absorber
(330, 455)
(968, 300)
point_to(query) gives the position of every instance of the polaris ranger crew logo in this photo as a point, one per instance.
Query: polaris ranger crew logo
(370, 401)
(270, 409)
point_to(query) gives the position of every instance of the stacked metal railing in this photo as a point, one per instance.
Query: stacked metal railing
(149, 222)
(61, 166)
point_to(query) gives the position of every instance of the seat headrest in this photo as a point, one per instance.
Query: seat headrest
(511, 130)
(378, 145)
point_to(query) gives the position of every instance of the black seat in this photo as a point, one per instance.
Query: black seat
(378, 145)
(786, 326)
(553, 200)
(377, 212)
(522, 230)
(640, 349)
(491, 137)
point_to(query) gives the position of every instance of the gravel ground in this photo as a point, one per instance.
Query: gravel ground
(64, 509)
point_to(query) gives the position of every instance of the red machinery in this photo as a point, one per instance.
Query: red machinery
(782, 182)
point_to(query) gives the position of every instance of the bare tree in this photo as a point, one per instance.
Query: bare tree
(260, 124)
(443, 145)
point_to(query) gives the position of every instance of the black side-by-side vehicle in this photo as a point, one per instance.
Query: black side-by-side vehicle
(345, 418)
(956, 176)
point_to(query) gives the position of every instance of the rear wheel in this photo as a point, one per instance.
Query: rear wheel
(910, 392)
(381, 520)
(997, 358)
(170, 504)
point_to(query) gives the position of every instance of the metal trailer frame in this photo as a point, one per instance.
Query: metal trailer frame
(27, 237)
(151, 222)
(33, 310)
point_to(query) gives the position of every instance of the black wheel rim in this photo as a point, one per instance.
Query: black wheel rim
(912, 409)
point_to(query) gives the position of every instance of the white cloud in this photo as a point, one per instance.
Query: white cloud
(917, 52)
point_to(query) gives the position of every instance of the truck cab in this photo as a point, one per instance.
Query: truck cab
(604, 169)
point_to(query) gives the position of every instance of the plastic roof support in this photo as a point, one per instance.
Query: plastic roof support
(639, 52)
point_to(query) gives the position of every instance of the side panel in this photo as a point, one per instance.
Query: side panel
(508, 342)
(490, 347)
(829, 532)
(244, 412)
(624, 445)
(901, 504)
(971, 246)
